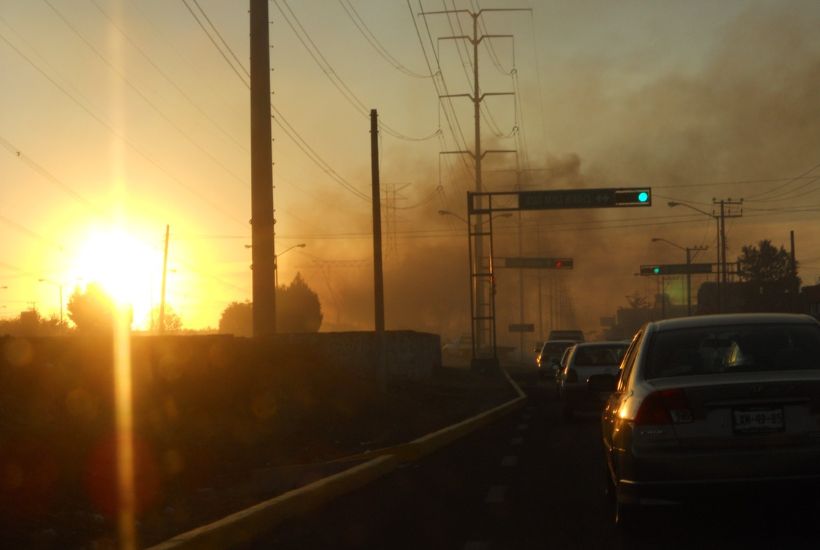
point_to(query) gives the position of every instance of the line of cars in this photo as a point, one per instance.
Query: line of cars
(703, 406)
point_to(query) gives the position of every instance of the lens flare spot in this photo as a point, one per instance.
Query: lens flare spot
(18, 352)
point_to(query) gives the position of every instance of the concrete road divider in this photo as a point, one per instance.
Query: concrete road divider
(246, 525)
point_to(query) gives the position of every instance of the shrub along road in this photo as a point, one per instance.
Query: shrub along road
(530, 480)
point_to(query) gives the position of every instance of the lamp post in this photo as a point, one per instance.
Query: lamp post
(673, 204)
(60, 287)
(276, 261)
(689, 257)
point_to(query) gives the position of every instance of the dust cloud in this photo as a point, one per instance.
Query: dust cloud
(748, 113)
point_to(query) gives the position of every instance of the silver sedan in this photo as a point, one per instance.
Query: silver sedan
(704, 405)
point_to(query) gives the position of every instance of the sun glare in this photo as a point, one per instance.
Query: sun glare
(126, 268)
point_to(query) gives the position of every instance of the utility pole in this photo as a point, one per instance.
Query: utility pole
(164, 274)
(727, 209)
(378, 272)
(481, 283)
(795, 286)
(262, 241)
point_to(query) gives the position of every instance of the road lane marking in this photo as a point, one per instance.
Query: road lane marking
(510, 461)
(516, 441)
(521, 427)
(526, 416)
(496, 494)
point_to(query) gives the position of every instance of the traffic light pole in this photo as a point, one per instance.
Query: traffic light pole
(486, 203)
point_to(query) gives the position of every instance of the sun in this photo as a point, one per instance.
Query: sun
(126, 267)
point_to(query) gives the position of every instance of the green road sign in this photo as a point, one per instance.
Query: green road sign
(585, 198)
(675, 269)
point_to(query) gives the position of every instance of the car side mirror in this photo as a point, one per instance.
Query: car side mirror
(602, 383)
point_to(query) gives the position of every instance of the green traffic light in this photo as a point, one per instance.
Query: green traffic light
(643, 196)
(656, 270)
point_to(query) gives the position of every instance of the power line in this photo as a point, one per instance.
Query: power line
(316, 54)
(170, 80)
(277, 116)
(311, 153)
(730, 182)
(489, 45)
(114, 132)
(48, 176)
(485, 109)
(365, 31)
(142, 95)
(221, 52)
(219, 35)
(790, 194)
(31, 233)
(779, 187)
(438, 91)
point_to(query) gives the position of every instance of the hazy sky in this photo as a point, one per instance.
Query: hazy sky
(125, 112)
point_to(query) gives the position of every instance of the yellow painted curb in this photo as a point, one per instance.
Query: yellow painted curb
(247, 524)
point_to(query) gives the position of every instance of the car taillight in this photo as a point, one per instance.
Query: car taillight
(572, 375)
(664, 407)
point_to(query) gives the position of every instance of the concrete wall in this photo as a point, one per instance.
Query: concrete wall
(410, 355)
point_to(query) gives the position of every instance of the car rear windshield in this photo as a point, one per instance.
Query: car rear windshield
(711, 350)
(554, 350)
(594, 356)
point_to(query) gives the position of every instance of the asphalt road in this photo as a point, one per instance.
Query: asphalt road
(532, 480)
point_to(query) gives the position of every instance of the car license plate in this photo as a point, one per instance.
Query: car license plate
(752, 420)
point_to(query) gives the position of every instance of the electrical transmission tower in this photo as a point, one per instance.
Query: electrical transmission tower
(482, 283)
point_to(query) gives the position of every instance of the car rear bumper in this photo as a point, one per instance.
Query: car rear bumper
(658, 492)
(681, 475)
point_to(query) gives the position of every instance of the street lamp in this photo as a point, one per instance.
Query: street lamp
(673, 204)
(60, 287)
(276, 261)
(689, 257)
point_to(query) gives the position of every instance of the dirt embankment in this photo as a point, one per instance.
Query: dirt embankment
(217, 426)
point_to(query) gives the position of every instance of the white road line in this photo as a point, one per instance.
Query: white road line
(477, 545)
(510, 461)
(496, 494)
(516, 441)
(521, 427)
(526, 416)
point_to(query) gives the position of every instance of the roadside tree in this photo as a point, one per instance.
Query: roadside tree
(91, 311)
(297, 310)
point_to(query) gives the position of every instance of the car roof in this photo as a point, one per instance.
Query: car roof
(727, 319)
(607, 343)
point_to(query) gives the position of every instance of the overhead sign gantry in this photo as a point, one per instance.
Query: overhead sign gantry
(482, 277)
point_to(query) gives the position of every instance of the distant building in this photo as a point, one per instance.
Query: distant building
(810, 298)
(748, 297)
